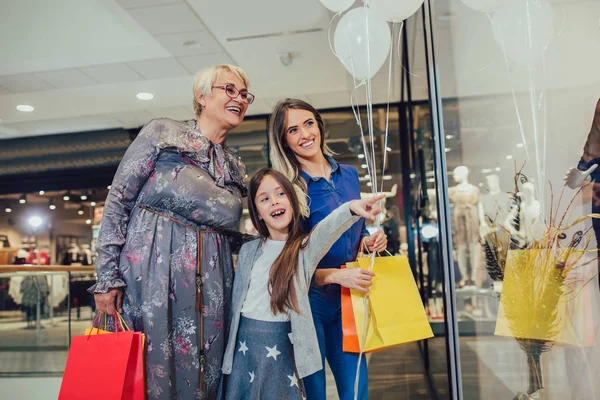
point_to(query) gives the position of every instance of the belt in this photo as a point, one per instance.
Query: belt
(199, 233)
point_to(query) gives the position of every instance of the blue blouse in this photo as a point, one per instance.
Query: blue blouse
(324, 197)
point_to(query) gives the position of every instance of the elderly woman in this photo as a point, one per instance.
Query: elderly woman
(164, 256)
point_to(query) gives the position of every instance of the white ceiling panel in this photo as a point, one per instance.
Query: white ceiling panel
(22, 83)
(176, 113)
(189, 43)
(195, 63)
(69, 34)
(146, 3)
(162, 20)
(66, 78)
(330, 99)
(112, 73)
(159, 69)
(133, 119)
(53, 126)
(247, 18)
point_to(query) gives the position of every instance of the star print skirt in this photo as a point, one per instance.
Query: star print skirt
(263, 364)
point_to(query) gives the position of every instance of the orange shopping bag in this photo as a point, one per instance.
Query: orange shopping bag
(105, 365)
(350, 337)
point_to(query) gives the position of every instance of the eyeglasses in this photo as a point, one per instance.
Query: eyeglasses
(233, 93)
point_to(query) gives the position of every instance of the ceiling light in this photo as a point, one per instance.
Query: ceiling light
(361, 156)
(388, 148)
(92, 203)
(23, 199)
(25, 108)
(447, 149)
(413, 176)
(42, 192)
(67, 197)
(145, 96)
(430, 179)
(108, 187)
(486, 170)
(368, 183)
(363, 166)
(449, 137)
(519, 145)
(51, 205)
(35, 222)
(80, 211)
(83, 196)
(509, 157)
(387, 177)
(88, 221)
(498, 169)
(7, 208)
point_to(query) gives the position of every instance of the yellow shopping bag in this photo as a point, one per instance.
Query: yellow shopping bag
(539, 302)
(396, 312)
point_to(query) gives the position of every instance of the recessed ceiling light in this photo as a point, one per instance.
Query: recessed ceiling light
(449, 137)
(388, 148)
(108, 187)
(486, 170)
(92, 204)
(361, 156)
(413, 176)
(368, 183)
(387, 177)
(519, 145)
(498, 169)
(145, 96)
(509, 157)
(447, 149)
(25, 107)
(41, 192)
(363, 165)
(88, 221)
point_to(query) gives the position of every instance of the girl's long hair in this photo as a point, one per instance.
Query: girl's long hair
(282, 157)
(285, 268)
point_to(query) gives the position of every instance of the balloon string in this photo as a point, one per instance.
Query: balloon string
(512, 86)
(399, 54)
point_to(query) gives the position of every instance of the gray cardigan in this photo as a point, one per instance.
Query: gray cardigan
(303, 336)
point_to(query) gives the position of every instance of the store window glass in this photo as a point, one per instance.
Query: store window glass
(519, 97)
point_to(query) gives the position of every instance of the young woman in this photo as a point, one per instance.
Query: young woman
(272, 341)
(298, 150)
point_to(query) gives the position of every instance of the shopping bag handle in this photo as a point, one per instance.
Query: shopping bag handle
(363, 248)
(119, 323)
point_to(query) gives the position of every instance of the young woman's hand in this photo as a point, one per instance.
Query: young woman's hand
(376, 242)
(353, 278)
(367, 208)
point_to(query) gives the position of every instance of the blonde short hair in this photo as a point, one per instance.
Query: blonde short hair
(207, 77)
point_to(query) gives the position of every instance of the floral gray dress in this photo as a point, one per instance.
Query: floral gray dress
(166, 236)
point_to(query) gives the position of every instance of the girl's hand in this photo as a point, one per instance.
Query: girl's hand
(376, 242)
(353, 278)
(367, 208)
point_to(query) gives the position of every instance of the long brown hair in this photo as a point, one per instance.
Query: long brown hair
(285, 267)
(282, 157)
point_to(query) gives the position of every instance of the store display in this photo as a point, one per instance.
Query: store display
(468, 213)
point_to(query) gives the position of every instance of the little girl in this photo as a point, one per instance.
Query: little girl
(272, 340)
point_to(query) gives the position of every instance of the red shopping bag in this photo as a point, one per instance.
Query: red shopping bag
(104, 365)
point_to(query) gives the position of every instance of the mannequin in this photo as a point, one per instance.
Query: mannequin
(530, 211)
(72, 257)
(468, 213)
(494, 205)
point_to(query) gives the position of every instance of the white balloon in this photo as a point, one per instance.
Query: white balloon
(395, 10)
(337, 5)
(352, 46)
(486, 6)
(525, 27)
